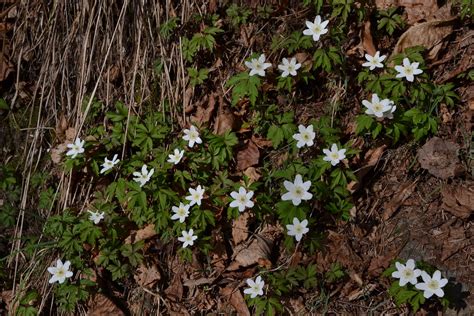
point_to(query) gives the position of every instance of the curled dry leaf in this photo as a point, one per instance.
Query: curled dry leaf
(418, 10)
(440, 158)
(247, 254)
(225, 120)
(253, 174)
(235, 299)
(248, 156)
(429, 35)
(240, 227)
(142, 234)
(204, 111)
(458, 200)
(147, 276)
(101, 305)
(367, 40)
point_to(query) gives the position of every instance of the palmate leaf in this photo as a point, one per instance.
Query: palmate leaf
(244, 85)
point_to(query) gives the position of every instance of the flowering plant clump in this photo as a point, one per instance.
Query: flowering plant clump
(179, 191)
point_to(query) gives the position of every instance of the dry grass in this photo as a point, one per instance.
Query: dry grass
(69, 53)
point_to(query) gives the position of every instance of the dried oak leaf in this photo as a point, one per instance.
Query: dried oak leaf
(240, 227)
(247, 254)
(428, 34)
(458, 200)
(101, 305)
(417, 10)
(367, 40)
(142, 234)
(248, 156)
(147, 276)
(235, 299)
(439, 157)
(225, 121)
(204, 111)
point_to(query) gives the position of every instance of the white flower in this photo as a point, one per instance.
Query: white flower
(176, 156)
(109, 164)
(298, 229)
(96, 217)
(377, 107)
(297, 190)
(374, 61)
(255, 287)
(188, 238)
(289, 67)
(76, 148)
(389, 114)
(60, 272)
(316, 29)
(242, 199)
(406, 273)
(180, 212)
(305, 136)
(408, 70)
(257, 66)
(195, 196)
(144, 176)
(192, 136)
(432, 285)
(334, 155)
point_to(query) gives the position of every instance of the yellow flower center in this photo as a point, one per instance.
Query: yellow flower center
(433, 284)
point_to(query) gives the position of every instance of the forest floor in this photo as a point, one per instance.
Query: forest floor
(64, 67)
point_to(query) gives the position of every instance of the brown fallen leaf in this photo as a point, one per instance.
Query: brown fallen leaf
(247, 254)
(240, 227)
(358, 293)
(367, 40)
(418, 10)
(405, 190)
(204, 111)
(175, 289)
(428, 34)
(248, 156)
(57, 153)
(225, 120)
(147, 276)
(385, 4)
(440, 158)
(458, 200)
(235, 299)
(6, 67)
(142, 234)
(371, 159)
(253, 174)
(101, 305)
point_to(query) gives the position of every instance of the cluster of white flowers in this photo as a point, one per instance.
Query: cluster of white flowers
(407, 273)
(379, 108)
(181, 212)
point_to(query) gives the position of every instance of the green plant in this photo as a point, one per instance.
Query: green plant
(204, 40)
(196, 76)
(389, 20)
(167, 28)
(244, 85)
(238, 15)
